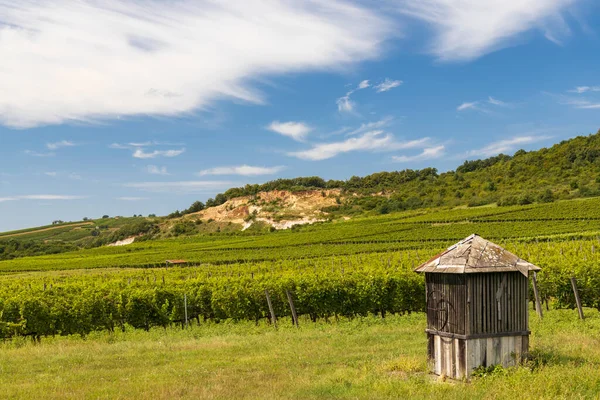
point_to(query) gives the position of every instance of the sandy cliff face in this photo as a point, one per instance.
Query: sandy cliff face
(279, 208)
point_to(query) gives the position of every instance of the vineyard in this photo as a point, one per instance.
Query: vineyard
(343, 269)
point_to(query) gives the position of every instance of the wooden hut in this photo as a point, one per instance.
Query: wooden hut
(477, 299)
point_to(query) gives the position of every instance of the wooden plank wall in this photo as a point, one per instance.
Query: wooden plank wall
(446, 292)
(457, 358)
(497, 303)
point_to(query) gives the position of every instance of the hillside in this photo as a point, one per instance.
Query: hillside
(567, 170)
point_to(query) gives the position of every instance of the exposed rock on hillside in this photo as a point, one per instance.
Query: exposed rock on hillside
(279, 208)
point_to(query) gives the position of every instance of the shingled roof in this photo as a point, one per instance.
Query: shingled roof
(475, 255)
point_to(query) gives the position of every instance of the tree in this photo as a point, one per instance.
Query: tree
(105, 216)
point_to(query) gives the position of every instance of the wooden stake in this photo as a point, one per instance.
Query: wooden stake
(185, 309)
(294, 315)
(577, 299)
(538, 305)
(273, 317)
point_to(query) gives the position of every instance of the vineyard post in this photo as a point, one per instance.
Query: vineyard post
(273, 317)
(291, 301)
(185, 309)
(577, 299)
(538, 305)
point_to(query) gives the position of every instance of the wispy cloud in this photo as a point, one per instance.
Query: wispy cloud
(506, 145)
(345, 104)
(497, 102)
(38, 154)
(243, 170)
(191, 52)
(155, 170)
(136, 145)
(364, 84)
(295, 130)
(42, 197)
(468, 106)
(370, 141)
(371, 126)
(131, 198)
(51, 174)
(181, 187)
(388, 84)
(427, 154)
(58, 145)
(579, 102)
(468, 29)
(584, 89)
(140, 153)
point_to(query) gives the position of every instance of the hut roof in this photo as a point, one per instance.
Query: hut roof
(475, 255)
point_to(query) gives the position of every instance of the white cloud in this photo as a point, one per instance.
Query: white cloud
(580, 103)
(42, 197)
(140, 153)
(295, 130)
(344, 103)
(155, 170)
(364, 84)
(58, 145)
(467, 29)
(131, 198)
(427, 154)
(506, 146)
(497, 102)
(167, 58)
(584, 89)
(370, 126)
(180, 187)
(38, 154)
(388, 84)
(370, 141)
(468, 106)
(51, 173)
(244, 170)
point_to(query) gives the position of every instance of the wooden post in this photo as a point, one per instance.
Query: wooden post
(273, 317)
(185, 309)
(538, 305)
(577, 299)
(294, 315)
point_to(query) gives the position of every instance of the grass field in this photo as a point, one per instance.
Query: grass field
(366, 358)
(361, 268)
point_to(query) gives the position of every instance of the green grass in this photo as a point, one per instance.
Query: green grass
(365, 358)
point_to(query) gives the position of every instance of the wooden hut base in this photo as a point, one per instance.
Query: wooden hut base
(456, 356)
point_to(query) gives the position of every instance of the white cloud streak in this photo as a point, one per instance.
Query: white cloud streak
(58, 145)
(506, 146)
(467, 29)
(295, 130)
(89, 60)
(388, 84)
(140, 153)
(427, 154)
(468, 106)
(180, 187)
(155, 170)
(38, 154)
(584, 89)
(243, 170)
(42, 197)
(370, 141)
(364, 84)
(131, 198)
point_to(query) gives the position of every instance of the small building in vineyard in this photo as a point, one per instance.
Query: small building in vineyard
(477, 307)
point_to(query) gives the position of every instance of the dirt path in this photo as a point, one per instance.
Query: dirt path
(46, 229)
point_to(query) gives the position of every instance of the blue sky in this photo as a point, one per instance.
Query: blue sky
(141, 107)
